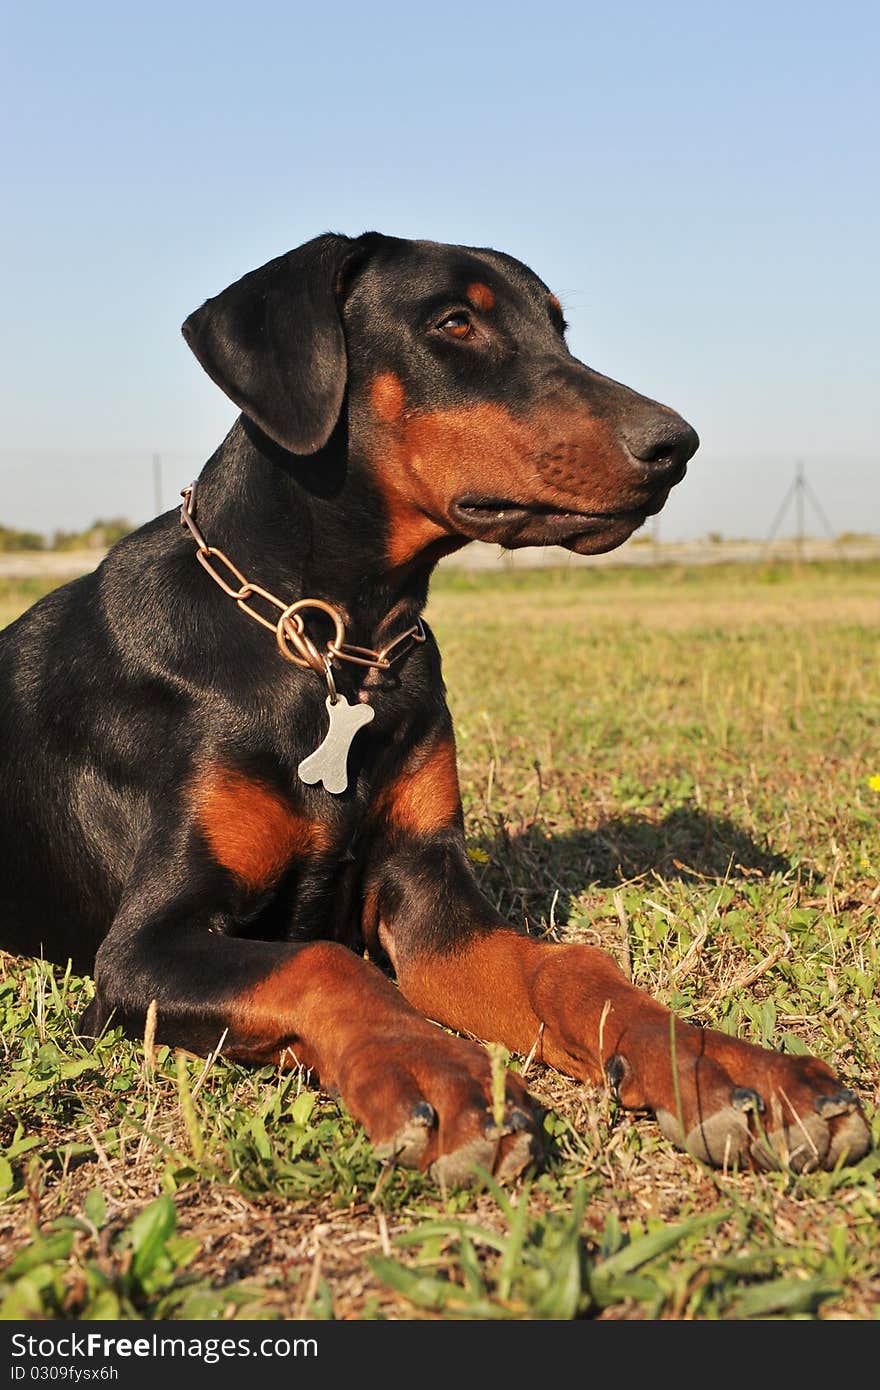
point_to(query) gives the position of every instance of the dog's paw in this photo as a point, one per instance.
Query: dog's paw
(429, 1105)
(742, 1106)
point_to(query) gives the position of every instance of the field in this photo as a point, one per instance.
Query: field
(682, 765)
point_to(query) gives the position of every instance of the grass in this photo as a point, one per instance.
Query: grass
(18, 594)
(673, 764)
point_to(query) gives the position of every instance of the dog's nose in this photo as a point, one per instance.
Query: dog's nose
(662, 443)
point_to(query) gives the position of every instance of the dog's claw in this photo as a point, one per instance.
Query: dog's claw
(616, 1069)
(840, 1103)
(524, 1149)
(505, 1149)
(815, 1141)
(515, 1121)
(744, 1098)
(408, 1145)
(801, 1146)
(519, 1120)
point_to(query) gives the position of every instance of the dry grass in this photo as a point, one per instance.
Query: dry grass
(673, 765)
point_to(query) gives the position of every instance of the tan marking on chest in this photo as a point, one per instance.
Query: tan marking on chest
(252, 830)
(424, 795)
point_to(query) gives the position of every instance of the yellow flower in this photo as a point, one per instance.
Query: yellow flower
(479, 856)
(874, 783)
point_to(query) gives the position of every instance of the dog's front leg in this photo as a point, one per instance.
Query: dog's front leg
(725, 1100)
(424, 1097)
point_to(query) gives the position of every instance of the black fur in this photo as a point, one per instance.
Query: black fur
(117, 691)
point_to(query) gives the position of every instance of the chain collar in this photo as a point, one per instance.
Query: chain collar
(293, 641)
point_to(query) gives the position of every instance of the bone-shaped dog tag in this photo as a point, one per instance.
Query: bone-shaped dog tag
(329, 762)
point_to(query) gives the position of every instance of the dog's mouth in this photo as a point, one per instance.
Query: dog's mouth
(515, 524)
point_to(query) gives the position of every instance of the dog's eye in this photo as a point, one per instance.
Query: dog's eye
(456, 326)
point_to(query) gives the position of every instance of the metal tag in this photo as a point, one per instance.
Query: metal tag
(329, 762)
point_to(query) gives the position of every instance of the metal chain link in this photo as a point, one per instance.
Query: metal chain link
(293, 641)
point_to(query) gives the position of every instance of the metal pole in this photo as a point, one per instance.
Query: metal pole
(777, 520)
(799, 504)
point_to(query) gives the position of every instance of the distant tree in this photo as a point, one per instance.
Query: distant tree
(100, 535)
(10, 539)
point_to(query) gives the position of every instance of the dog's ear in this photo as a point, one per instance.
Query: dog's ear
(274, 343)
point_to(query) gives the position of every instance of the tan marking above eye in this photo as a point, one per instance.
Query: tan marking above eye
(480, 295)
(555, 302)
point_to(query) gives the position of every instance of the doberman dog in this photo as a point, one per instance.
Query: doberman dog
(229, 784)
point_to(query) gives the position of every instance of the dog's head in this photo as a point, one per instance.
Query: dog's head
(464, 403)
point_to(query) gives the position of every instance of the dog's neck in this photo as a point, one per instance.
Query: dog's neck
(309, 528)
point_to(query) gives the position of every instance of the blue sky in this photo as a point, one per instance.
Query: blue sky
(698, 183)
